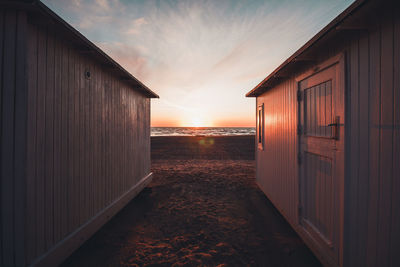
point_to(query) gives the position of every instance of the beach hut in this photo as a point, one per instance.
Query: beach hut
(75, 136)
(328, 138)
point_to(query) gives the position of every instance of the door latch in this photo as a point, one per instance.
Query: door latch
(335, 126)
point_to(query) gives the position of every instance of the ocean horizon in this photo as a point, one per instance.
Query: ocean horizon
(202, 131)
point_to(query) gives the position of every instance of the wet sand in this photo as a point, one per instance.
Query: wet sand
(203, 208)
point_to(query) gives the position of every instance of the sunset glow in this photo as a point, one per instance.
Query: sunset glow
(196, 122)
(200, 57)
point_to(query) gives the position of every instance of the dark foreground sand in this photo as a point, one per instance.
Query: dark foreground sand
(202, 209)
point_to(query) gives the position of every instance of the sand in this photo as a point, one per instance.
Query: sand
(203, 208)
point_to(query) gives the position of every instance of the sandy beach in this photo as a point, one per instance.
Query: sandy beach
(203, 208)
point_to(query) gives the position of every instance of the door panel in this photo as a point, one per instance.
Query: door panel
(321, 148)
(318, 110)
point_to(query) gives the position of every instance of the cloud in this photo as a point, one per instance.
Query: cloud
(127, 57)
(103, 4)
(137, 26)
(200, 54)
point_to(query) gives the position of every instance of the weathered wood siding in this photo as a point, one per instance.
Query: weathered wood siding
(13, 136)
(277, 163)
(372, 160)
(88, 139)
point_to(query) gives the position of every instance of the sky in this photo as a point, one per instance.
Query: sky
(201, 57)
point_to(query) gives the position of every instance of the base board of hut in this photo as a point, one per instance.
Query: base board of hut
(74, 240)
(307, 239)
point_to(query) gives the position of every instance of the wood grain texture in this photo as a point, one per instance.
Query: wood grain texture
(395, 229)
(374, 136)
(89, 139)
(20, 156)
(62, 160)
(386, 141)
(7, 137)
(13, 136)
(372, 185)
(1, 120)
(31, 142)
(280, 111)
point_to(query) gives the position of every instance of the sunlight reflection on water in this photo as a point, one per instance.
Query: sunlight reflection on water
(202, 131)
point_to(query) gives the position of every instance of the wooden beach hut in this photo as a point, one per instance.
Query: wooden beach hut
(75, 136)
(328, 138)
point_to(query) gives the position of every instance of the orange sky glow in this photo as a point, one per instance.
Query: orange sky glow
(201, 57)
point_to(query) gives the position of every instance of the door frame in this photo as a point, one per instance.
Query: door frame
(338, 60)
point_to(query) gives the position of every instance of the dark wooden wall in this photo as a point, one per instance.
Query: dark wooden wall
(372, 161)
(373, 157)
(88, 139)
(13, 136)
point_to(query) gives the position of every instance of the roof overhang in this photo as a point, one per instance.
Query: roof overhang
(84, 45)
(344, 22)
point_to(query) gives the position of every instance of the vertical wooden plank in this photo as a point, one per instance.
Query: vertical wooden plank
(128, 136)
(309, 112)
(32, 53)
(48, 140)
(72, 168)
(130, 131)
(328, 115)
(92, 138)
(374, 159)
(100, 87)
(318, 110)
(80, 187)
(7, 138)
(98, 133)
(124, 151)
(107, 151)
(105, 136)
(1, 124)
(294, 122)
(108, 137)
(323, 109)
(284, 143)
(313, 179)
(317, 190)
(314, 110)
(395, 229)
(115, 136)
(40, 132)
(57, 188)
(386, 141)
(2, 14)
(65, 114)
(330, 196)
(354, 148)
(113, 132)
(20, 170)
(363, 147)
(89, 191)
(89, 145)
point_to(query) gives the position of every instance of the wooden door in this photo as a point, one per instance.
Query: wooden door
(321, 156)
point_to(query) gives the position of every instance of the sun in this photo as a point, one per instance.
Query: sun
(196, 122)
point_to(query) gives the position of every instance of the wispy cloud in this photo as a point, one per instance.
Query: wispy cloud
(136, 26)
(200, 54)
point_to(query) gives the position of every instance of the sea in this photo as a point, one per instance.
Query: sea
(202, 131)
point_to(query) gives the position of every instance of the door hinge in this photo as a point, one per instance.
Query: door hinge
(299, 129)
(299, 158)
(299, 96)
